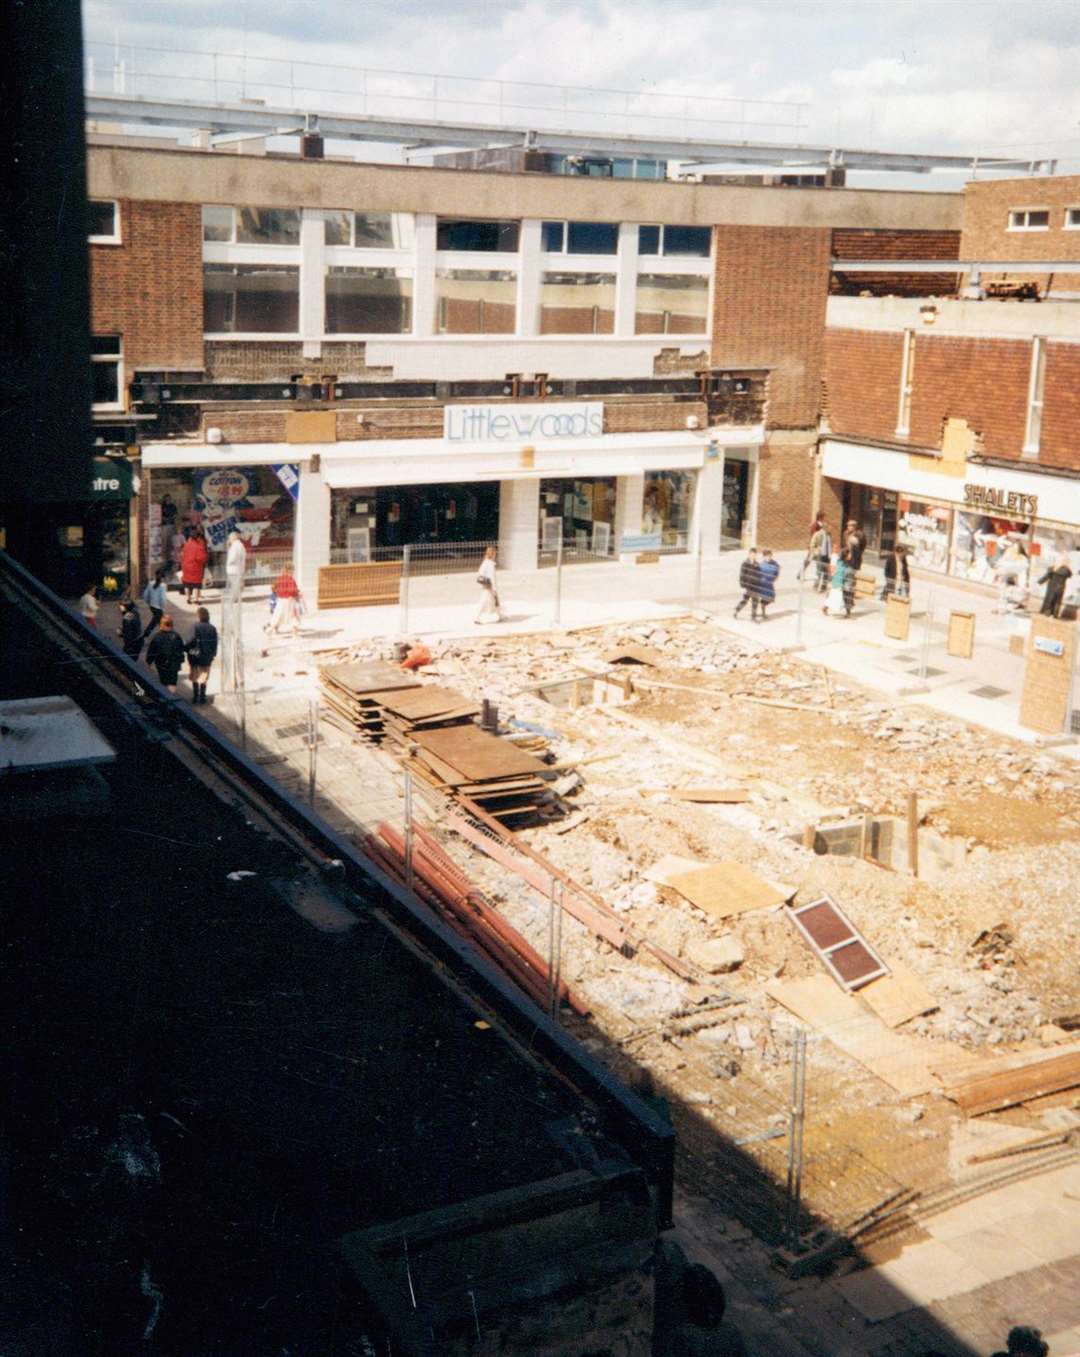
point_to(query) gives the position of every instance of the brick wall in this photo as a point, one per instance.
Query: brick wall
(853, 243)
(1059, 445)
(278, 360)
(149, 287)
(643, 416)
(786, 483)
(769, 311)
(984, 381)
(986, 221)
(862, 382)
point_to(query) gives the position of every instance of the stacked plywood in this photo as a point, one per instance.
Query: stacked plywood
(381, 702)
(475, 766)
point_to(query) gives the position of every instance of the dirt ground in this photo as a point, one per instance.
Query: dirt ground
(993, 936)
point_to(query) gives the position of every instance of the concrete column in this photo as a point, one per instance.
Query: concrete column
(528, 289)
(311, 546)
(519, 524)
(708, 507)
(629, 504)
(312, 283)
(424, 282)
(626, 278)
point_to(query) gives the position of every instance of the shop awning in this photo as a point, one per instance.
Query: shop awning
(111, 479)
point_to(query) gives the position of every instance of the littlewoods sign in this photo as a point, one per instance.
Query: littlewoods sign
(547, 423)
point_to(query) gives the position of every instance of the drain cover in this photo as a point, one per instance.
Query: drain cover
(929, 672)
(988, 690)
(287, 732)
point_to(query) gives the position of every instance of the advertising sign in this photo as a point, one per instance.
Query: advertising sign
(546, 422)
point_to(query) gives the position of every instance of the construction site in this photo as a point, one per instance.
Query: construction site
(835, 936)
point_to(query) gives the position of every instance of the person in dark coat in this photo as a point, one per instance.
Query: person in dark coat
(750, 584)
(769, 569)
(130, 633)
(1055, 579)
(897, 574)
(855, 541)
(201, 651)
(165, 653)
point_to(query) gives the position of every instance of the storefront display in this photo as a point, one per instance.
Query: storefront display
(1051, 545)
(586, 509)
(668, 505)
(985, 549)
(259, 502)
(408, 515)
(735, 503)
(924, 529)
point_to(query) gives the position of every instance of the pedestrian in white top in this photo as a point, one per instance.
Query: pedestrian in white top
(235, 566)
(88, 606)
(489, 602)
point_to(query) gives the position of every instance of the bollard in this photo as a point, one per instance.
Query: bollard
(403, 595)
(558, 582)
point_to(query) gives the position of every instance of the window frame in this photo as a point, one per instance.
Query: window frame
(258, 264)
(589, 276)
(680, 271)
(1036, 400)
(117, 235)
(661, 251)
(369, 269)
(1025, 212)
(565, 252)
(1068, 225)
(235, 209)
(114, 360)
(482, 252)
(907, 386)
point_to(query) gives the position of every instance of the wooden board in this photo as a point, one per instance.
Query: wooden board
(372, 677)
(1051, 1074)
(710, 795)
(961, 642)
(865, 585)
(360, 585)
(478, 755)
(671, 865)
(898, 997)
(423, 701)
(897, 617)
(1044, 701)
(899, 1061)
(723, 889)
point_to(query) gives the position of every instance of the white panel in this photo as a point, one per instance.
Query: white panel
(528, 289)
(519, 524)
(423, 285)
(626, 279)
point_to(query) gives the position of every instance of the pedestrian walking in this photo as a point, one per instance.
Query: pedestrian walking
(855, 541)
(89, 607)
(769, 569)
(156, 598)
(750, 584)
(235, 567)
(1014, 596)
(818, 522)
(130, 633)
(288, 605)
(1055, 578)
(847, 556)
(201, 652)
(194, 558)
(897, 574)
(490, 608)
(165, 653)
(836, 603)
(821, 550)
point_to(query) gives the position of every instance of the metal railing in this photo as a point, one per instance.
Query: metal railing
(236, 77)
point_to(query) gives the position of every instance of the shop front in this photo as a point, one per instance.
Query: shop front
(580, 513)
(368, 519)
(108, 536)
(982, 526)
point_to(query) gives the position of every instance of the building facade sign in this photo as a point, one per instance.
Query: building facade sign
(989, 499)
(540, 423)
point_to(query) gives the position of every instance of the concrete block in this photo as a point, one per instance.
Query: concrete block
(716, 955)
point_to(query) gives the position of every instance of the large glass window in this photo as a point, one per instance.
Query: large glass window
(103, 222)
(669, 498)
(370, 230)
(251, 298)
(671, 304)
(337, 228)
(577, 304)
(252, 225)
(685, 241)
(368, 301)
(579, 237)
(484, 236)
(476, 301)
(925, 529)
(217, 222)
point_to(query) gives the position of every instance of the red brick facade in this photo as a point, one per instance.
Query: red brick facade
(862, 382)
(771, 287)
(852, 243)
(1060, 441)
(148, 288)
(785, 494)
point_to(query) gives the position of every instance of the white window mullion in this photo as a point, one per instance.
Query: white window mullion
(626, 279)
(312, 283)
(528, 284)
(424, 284)
(907, 378)
(1036, 383)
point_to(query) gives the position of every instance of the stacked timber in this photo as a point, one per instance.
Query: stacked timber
(440, 883)
(350, 694)
(476, 767)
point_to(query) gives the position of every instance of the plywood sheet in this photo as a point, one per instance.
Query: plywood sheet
(899, 1061)
(723, 889)
(1044, 701)
(421, 702)
(897, 617)
(961, 642)
(478, 755)
(671, 865)
(898, 997)
(376, 676)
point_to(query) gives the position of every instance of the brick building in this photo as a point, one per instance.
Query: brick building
(344, 358)
(950, 420)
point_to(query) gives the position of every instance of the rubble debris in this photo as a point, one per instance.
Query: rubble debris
(717, 956)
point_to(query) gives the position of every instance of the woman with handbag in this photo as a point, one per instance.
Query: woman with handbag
(490, 610)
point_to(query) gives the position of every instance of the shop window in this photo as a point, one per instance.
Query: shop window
(924, 529)
(1029, 219)
(106, 364)
(685, 241)
(484, 237)
(579, 237)
(577, 303)
(251, 225)
(476, 301)
(251, 298)
(907, 384)
(1036, 385)
(671, 304)
(103, 222)
(667, 507)
(368, 301)
(988, 550)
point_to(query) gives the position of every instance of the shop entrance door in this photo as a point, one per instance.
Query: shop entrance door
(887, 532)
(733, 509)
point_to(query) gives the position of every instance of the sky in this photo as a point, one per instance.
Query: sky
(981, 76)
